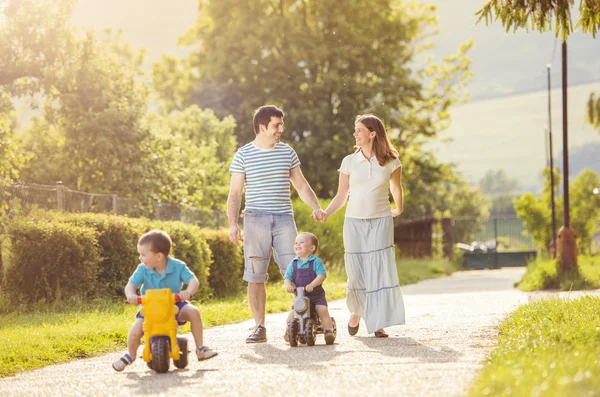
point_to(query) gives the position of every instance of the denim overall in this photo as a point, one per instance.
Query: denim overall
(303, 277)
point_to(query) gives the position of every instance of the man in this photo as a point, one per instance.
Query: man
(266, 166)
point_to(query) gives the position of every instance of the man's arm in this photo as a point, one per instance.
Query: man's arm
(307, 195)
(234, 203)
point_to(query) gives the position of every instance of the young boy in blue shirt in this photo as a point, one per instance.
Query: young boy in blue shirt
(308, 271)
(159, 270)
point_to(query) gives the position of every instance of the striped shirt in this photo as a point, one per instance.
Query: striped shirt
(267, 173)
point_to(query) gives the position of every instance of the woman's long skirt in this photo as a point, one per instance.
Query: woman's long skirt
(373, 287)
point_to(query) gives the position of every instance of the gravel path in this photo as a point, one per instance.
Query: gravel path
(450, 329)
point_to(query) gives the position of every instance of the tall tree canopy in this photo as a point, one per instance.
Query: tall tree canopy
(323, 62)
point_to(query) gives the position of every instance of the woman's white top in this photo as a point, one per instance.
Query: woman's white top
(369, 186)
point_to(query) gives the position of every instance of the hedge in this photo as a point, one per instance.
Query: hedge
(226, 269)
(50, 261)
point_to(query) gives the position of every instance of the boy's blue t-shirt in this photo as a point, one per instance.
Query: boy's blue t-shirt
(176, 274)
(319, 266)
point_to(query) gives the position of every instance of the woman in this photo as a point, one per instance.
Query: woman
(365, 176)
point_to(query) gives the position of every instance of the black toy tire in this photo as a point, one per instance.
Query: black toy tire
(182, 343)
(293, 333)
(310, 333)
(160, 355)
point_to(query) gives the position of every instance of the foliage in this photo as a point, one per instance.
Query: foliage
(117, 239)
(196, 148)
(50, 261)
(543, 274)
(226, 269)
(548, 348)
(585, 208)
(593, 111)
(537, 212)
(322, 64)
(94, 111)
(539, 15)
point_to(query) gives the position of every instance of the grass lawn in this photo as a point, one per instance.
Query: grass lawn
(550, 348)
(40, 336)
(543, 274)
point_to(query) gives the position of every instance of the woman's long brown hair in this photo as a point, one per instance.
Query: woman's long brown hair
(383, 148)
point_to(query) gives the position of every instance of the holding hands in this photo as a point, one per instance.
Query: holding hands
(319, 215)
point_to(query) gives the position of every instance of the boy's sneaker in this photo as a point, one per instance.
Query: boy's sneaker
(258, 335)
(123, 362)
(204, 353)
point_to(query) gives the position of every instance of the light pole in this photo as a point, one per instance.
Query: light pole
(567, 249)
(551, 155)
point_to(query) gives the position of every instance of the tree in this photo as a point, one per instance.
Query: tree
(94, 121)
(586, 209)
(536, 212)
(500, 190)
(193, 149)
(35, 36)
(323, 64)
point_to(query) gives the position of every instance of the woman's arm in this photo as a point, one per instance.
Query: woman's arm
(397, 192)
(341, 196)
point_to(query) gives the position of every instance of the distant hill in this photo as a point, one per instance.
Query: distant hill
(509, 134)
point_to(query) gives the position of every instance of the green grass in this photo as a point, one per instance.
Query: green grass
(41, 335)
(550, 348)
(544, 274)
(413, 270)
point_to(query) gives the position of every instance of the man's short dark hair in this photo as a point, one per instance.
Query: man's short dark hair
(158, 240)
(263, 115)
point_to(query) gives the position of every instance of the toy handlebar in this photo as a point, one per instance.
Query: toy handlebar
(177, 299)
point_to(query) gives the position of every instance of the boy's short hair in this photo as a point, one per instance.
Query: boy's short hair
(314, 240)
(158, 240)
(263, 115)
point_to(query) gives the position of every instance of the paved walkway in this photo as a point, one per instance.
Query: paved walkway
(450, 328)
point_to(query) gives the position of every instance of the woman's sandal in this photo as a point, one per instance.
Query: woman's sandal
(353, 330)
(381, 334)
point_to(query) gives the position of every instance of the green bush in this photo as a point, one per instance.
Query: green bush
(50, 261)
(117, 238)
(226, 268)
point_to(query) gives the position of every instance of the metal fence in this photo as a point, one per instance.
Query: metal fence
(23, 198)
(503, 233)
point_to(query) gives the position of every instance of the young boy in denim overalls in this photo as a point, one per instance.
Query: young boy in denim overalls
(308, 271)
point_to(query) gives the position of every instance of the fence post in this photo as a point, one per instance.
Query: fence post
(496, 241)
(60, 195)
(114, 203)
(448, 237)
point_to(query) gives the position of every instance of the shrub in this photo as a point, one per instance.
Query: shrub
(50, 261)
(117, 239)
(226, 268)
